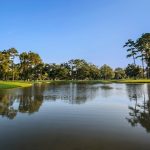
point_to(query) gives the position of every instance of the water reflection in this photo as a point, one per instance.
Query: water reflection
(75, 116)
(139, 111)
(6, 108)
(72, 93)
(29, 100)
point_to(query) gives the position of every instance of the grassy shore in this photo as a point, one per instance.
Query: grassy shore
(132, 81)
(19, 84)
(102, 81)
(14, 84)
(126, 81)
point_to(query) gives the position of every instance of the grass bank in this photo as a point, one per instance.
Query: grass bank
(101, 81)
(132, 81)
(14, 84)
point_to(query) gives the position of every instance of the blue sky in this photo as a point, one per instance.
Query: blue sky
(59, 30)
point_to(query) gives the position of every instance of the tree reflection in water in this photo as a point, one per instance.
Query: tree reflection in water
(29, 100)
(140, 112)
(6, 108)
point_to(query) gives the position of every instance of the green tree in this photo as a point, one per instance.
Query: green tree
(75, 66)
(81, 70)
(5, 64)
(28, 62)
(94, 72)
(133, 71)
(131, 49)
(24, 65)
(140, 49)
(143, 45)
(52, 71)
(106, 72)
(119, 73)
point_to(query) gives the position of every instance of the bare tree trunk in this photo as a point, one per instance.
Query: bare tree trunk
(134, 64)
(143, 65)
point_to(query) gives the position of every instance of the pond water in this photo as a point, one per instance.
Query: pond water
(76, 117)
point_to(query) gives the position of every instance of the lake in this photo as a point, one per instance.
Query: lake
(75, 117)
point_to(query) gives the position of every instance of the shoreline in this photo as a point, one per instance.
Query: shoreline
(24, 84)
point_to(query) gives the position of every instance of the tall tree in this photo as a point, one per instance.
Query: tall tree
(143, 45)
(131, 49)
(13, 53)
(24, 65)
(28, 62)
(5, 64)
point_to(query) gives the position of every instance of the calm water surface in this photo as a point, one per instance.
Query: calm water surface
(76, 117)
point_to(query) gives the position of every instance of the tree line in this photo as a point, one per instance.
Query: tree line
(31, 67)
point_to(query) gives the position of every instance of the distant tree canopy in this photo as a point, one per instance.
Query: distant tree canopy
(31, 67)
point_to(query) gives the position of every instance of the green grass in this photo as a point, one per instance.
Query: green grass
(132, 81)
(102, 81)
(13, 84)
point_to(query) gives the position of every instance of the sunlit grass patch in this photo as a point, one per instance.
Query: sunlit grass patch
(9, 84)
(132, 81)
